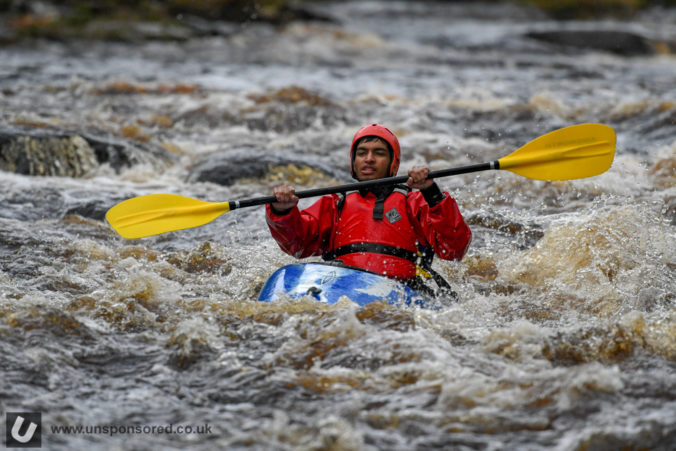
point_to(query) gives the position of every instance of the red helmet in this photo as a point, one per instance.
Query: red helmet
(386, 135)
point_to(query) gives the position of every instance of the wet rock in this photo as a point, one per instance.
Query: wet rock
(40, 152)
(291, 11)
(286, 110)
(120, 88)
(203, 27)
(120, 153)
(68, 156)
(41, 202)
(89, 209)
(226, 169)
(291, 95)
(291, 109)
(274, 11)
(525, 235)
(584, 10)
(117, 30)
(289, 119)
(619, 42)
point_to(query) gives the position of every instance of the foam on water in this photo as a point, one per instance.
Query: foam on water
(602, 258)
(564, 336)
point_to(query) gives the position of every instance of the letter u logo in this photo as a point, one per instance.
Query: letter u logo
(26, 436)
(23, 429)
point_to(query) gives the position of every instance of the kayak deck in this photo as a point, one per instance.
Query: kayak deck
(327, 283)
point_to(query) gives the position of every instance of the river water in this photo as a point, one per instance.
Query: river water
(564, 336)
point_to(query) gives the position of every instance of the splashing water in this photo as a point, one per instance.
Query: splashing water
(565, 333)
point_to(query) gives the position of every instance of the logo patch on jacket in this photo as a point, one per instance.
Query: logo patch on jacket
(393, 216)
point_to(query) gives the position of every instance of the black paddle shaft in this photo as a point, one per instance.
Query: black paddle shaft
(367, 184)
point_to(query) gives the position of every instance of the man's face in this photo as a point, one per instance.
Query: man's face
(372, 160)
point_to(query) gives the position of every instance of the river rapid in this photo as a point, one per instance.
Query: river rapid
(564, 336)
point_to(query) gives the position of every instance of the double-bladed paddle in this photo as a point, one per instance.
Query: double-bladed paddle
(569, 153)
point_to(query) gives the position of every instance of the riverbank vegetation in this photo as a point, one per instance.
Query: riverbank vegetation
(590, 9)
(129, 20)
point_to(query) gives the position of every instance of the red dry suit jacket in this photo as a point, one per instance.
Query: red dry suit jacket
(344, 228)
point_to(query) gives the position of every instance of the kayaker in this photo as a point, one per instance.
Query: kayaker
(386, 230)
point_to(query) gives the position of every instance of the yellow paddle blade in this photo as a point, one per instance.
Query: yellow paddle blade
(153, 214)
(569, 153)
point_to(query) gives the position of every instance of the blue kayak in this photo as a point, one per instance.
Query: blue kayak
(327, 283)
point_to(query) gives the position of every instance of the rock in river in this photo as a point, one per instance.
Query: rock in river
(70, 154)
(619, 42)
(227, 168)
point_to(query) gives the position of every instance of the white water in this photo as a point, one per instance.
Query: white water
(565, 334)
